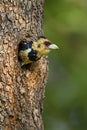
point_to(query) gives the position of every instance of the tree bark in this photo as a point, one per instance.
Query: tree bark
(21, 89)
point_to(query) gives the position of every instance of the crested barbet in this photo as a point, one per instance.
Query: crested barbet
(30, 51)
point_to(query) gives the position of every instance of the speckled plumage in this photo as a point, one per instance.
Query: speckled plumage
(30, 51)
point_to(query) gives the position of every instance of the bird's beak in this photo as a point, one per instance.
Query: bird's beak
(53, 46)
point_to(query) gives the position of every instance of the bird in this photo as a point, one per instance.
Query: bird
(32, 51)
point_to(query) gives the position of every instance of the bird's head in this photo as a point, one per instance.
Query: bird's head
(44, 46)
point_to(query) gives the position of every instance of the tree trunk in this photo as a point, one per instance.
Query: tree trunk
(21, 89)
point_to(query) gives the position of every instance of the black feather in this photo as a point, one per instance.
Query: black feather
(23, 45)
(33, 55)
(41, 37)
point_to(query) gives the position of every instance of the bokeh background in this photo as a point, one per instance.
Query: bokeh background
(65, 104)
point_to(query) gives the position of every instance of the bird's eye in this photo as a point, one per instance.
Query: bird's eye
(38, 46)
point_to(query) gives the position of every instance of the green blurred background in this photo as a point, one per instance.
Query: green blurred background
(65, 104)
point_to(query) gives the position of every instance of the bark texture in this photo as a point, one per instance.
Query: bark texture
(21, 89)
